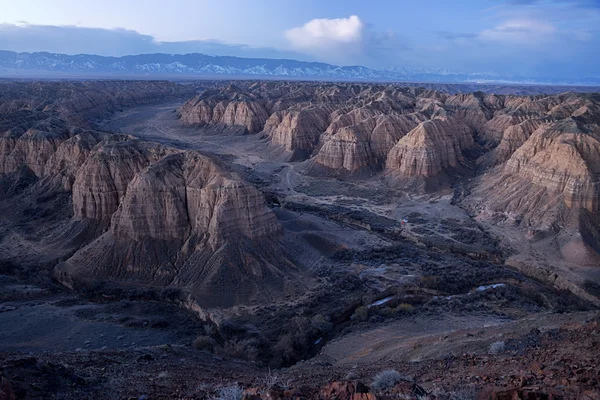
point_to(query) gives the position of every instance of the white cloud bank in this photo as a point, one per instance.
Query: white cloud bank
(340, 36)
(520, 31)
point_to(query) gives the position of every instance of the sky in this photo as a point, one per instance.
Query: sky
(559, 38)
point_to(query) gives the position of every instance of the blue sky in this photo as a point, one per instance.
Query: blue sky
(527, 37)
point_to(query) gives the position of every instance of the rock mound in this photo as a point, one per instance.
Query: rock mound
(202, 230)
(298, 131)
(431, 149)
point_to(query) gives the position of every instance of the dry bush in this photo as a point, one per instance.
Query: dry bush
(244, 348)
(270, 380)
(496, 348)
(203, 342)
(361, 314)
(233, 392)
(386, 379)
(405, 308)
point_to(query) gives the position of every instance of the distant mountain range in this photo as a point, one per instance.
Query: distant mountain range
(48, 65)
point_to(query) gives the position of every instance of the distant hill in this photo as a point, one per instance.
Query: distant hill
(196, 65)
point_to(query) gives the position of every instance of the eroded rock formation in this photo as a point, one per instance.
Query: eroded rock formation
(431, 148)
(138, 211)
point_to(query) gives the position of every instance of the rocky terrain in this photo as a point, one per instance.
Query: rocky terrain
(293, 240)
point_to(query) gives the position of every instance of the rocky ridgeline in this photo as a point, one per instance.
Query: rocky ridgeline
(87, 98)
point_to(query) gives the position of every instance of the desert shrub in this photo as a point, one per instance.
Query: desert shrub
(320, 323)
(496, 348)
(204, 343)
(233, 392)
(405, 308)
(270, 380)
(351, 376)
(361, 314)
(386, 379)
(431, 282)
(285, 348)
(291, 347)
(247, 349)
(534, 295)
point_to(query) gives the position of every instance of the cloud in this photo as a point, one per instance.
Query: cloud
(24, 37)
(348, 41)
(570, 3)
(327, 32)
(520, 31)
(334, 37)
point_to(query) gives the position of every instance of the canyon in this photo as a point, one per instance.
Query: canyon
(325, 230)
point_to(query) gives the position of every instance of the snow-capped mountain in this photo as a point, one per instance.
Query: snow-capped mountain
(207, 66)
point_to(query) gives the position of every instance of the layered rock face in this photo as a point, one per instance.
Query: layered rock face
(196, 197)
(249, 115)
(513, 138)
(347, 150)
(231, 107)
(297, 130)
(550, 184)
(36, 118)
(356, 147)
(430, 148)
(351, 129)
(139, 212)
(473, 109)
(102, 179)
(562, 158)
(186, 222)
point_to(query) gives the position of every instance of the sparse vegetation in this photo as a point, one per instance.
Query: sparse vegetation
(361, 314)
(387, 379)
(270, 380)
(496, 348)
(203, 342)
(351, 376)
(233, 392)
(405, 308)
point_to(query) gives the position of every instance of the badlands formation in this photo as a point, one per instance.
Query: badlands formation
(333, 230)
(535, 156)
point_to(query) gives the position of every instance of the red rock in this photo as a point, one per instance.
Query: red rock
(338, 390)
(536, 368)
(346, 391)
